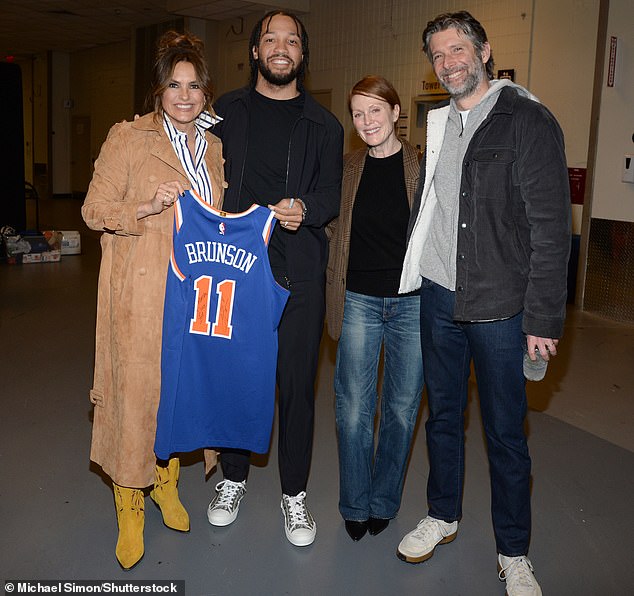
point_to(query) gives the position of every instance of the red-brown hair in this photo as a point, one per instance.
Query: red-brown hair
(375, 86)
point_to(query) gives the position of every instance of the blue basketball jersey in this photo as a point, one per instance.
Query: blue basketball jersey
(222, 310)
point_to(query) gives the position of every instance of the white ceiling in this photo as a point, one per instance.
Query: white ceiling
(33, 26)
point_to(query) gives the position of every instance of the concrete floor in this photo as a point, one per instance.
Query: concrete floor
(57, 515)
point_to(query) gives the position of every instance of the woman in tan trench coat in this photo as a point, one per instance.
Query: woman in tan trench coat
(137, 177)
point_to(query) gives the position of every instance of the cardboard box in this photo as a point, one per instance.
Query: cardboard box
(54, 239)
(36, 248)
(50, 256)
(71, 242)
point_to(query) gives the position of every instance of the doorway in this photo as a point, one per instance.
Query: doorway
(421, 104)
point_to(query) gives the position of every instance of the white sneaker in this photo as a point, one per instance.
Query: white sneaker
(224, 507)
(299, 525)
(517, 572)
(419, 544)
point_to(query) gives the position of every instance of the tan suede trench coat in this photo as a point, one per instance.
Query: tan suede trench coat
(337, 269)
(135, 158)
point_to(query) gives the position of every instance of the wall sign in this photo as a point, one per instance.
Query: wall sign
(612, 62)
(432, 87)
(507, 73)
(577, 180)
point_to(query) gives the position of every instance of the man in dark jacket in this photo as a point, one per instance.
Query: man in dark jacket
(283, 150)
(488, 246)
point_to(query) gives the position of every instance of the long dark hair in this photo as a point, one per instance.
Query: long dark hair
(254, 42)
(172, 48)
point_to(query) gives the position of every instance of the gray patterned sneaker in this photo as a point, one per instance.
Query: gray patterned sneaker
(224, 507)
(299, 525)
(419, 544)
(517, 572)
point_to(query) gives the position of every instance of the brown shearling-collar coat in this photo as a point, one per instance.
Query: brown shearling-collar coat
(339, 229)
(135, 158)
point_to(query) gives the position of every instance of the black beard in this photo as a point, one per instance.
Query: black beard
(278, 80)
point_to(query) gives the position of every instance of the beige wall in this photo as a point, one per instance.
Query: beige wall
(551, 49)
(232, 62)
(549, 44)
(562, 67)
(39, 99)
(96, 81)
(60, 122)
(35, 90)
(562, 73)
(101, 88)
(613, 199)
(354, 38)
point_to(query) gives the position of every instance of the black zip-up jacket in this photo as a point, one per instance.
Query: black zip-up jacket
(314, 170)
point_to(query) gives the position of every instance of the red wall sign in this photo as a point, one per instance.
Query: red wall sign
(577, 180)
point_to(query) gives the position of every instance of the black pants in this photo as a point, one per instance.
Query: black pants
(299, 338)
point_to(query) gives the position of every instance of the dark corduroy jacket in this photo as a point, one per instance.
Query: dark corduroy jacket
(514, 217)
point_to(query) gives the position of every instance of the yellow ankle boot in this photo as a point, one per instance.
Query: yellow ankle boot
(131, 519)
(165, 495)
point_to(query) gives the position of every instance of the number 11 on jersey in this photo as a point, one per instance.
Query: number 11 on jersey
(201, 324)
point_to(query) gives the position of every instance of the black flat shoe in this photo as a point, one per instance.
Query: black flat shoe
(377, 525)
(356, 530)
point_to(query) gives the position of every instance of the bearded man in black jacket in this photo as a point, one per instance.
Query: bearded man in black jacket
(284, 150)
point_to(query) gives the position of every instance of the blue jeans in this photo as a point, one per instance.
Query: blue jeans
(371, 484)
(496, 349)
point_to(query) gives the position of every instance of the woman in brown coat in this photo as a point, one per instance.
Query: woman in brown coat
(142, 167)
(365, 313)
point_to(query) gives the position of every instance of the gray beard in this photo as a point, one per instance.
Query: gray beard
(472, 80)
(468, 88)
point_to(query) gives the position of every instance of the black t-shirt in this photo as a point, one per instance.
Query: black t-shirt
(379, 228)
(271, 122)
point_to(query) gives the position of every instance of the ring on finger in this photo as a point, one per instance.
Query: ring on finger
(285, 224)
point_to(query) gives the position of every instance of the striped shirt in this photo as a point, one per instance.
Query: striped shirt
(195, 168)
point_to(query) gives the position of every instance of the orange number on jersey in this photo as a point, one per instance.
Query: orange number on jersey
(222, 326)
(200, 323)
